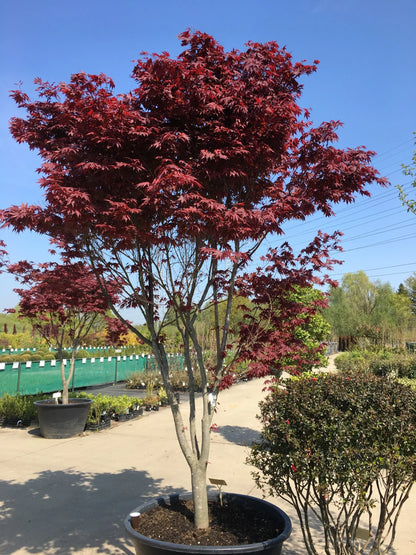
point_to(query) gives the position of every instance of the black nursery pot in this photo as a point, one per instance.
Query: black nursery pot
(59, 421)
(148, 546)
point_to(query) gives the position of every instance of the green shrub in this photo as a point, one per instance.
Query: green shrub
(83, 353)
(121, 405)
(19, 406)
(337, 447)
(136, 380)
(101, 405)
(45, 354)
(24, 357)
(392, 363)
(162, 396)
(27, 356)
(352, 361)
(396, 365)
(36, 357)
(408, 382)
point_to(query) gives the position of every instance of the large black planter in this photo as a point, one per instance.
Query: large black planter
(58, 421)
(149, 546)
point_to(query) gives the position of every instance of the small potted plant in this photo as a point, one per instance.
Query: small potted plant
(151, 402)
(162, 396)
(99, 417)
(136, 408)
(121, 408)
(16, 410)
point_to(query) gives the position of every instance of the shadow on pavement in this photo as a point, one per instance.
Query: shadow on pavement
(69, 512)
(240, 435)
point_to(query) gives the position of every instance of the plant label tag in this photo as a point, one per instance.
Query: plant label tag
(57, 395)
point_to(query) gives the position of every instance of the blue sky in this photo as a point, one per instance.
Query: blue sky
(366, 79)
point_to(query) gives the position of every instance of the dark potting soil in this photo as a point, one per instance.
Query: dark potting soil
(229, 525)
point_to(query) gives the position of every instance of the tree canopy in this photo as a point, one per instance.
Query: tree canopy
(63, 302)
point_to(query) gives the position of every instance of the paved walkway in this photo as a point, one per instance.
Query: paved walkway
(70, 496)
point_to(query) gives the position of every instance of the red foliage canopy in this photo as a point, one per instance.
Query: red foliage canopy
(211, 149)
(211, 145)
(61, 300)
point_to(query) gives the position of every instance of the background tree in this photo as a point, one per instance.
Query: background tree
(172, 189)
(410, 290)
(369, 312)
(62, 301)
(410, 171)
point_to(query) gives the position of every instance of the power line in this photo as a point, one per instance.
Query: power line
(381, 268)
(388, 241)
(366, 210)
(378, 231)
(351, 212)
(372, 276)
(389, 151)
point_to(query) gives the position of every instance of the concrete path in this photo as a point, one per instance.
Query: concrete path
(70, 496)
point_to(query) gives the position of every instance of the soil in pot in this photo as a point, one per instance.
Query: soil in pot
(229, 524)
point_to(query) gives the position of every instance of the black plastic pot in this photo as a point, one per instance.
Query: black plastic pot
(148, 546)
(58, 421)
(16, 422)
(98, 426)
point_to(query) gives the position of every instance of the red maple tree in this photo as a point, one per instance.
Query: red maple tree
(173, 188)
(62, 302)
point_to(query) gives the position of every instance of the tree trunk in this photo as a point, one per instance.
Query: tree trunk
(65, 388)
(200, 494)
(67, 381)
(196, 454)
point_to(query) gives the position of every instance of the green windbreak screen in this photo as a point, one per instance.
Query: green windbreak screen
(27, 378)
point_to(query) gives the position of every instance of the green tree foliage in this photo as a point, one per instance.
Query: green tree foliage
(409, 289)
(410, 171)
(23, 338)
(342, 449)
(312, 333)
(370, 312)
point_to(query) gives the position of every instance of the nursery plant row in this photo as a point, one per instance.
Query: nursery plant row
(20, 410)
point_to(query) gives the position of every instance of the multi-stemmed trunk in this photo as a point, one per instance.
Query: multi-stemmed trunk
(194, 444)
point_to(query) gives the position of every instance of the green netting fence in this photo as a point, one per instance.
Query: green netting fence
(44, 376)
